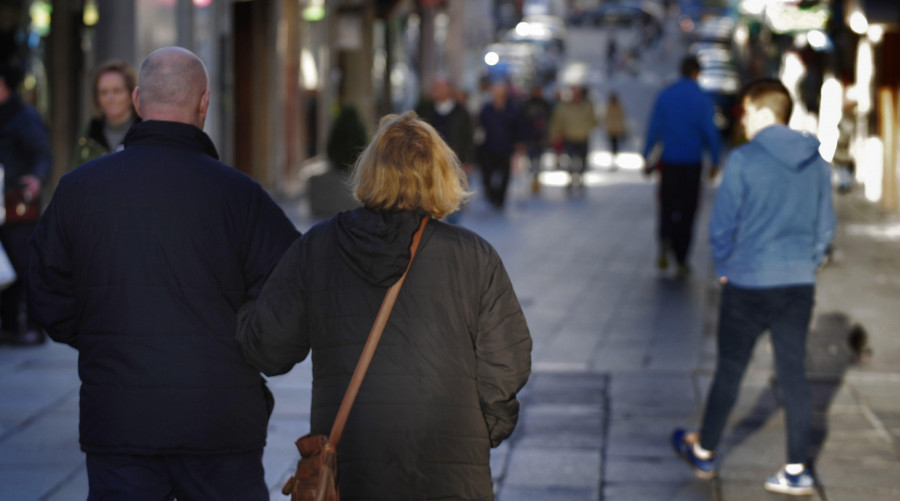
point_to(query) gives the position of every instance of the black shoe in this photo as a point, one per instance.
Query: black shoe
(32, 337)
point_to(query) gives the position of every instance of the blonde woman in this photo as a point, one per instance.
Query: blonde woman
(114, 82)
(441, 389)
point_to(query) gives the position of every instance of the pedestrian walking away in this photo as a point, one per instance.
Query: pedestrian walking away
(573, 120)
(682, 120)
(26, 160)
(771, 224)
(537, 111)
(452, 121)
(114, 81)
(442, 386)
(503, 125)
(140, 263)
(616, 124)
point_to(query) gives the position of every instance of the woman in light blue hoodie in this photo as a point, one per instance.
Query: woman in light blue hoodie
(770, 226)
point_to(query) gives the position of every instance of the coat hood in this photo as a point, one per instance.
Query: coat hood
(795, 150)
(375, 245)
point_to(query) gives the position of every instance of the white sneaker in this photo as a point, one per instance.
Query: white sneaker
(793, 485)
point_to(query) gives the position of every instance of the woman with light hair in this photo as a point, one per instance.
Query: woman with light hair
(441, 389)
(114, 114)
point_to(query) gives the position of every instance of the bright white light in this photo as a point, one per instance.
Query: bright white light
(830, 112)
(817, 39)
(523, 29)
(864, 74)
(310, 74)
(871, 167)
(491, 58)
(858, 23)
(741, 35)
(630, 161)
(875, 33)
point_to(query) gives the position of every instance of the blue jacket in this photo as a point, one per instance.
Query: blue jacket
(683, 120)
(141, 262)
(503, 129)
(773, 218)
(24, 144)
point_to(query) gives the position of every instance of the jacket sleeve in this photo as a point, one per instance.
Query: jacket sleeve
(271, 328)
(503, 353)
(826, 219)
(35, 143)
(269, 234)
(723, 221)
(709, 130)
(654, 127)
(49, 279)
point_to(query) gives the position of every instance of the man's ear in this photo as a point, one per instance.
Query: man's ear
(202, 109)
(136, 101)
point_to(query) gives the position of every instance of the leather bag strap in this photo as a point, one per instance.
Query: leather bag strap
(369, 350)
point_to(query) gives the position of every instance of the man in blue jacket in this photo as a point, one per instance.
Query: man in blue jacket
(682, 120)
(141, 262)
(771, 224)
(26, 161)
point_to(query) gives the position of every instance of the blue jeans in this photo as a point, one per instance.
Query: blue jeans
(744, 314)
(120, 477)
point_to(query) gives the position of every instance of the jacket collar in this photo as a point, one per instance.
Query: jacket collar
(171, 133)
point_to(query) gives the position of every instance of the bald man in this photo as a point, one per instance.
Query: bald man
(140, 262)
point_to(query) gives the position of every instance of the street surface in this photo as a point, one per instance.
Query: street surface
(623, 352)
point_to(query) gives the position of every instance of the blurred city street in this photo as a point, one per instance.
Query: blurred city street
(623, 352)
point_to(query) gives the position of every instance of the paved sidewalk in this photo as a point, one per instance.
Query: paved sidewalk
(622, 354)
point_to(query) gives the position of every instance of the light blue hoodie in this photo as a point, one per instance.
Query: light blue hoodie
(773, 217)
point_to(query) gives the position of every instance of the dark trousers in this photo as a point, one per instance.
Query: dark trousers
(577, 152)
(743, 315)
(13, 310)
(495, 170)
(614, 145)
(679, 194)
(114, 477)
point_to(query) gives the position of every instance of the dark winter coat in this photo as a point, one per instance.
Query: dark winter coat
(141, 262)
(441, 390)
(24, 143)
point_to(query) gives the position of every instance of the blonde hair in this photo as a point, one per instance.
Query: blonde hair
(407, 166)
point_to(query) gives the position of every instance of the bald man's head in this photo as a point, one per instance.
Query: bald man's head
(173, 85)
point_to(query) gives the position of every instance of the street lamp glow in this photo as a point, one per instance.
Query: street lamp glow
(875, 33)
(817, 39)
(858, 23)
(491, 58)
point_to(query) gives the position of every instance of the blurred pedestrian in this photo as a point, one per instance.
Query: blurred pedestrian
(537, 111)
(682, 120)
(504, 134)
(141, 262)
(616, 124)
(844, 162)
(452, 121)
(114, 81)
(770, 225)
(441, 389)
(26, 160)
(572, 122)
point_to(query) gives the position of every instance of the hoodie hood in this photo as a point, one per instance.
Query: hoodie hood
(794, 149)
(375, 245)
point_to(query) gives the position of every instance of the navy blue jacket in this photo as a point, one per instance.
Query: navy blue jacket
(24, 146)
(141, 262)
(503, 129)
